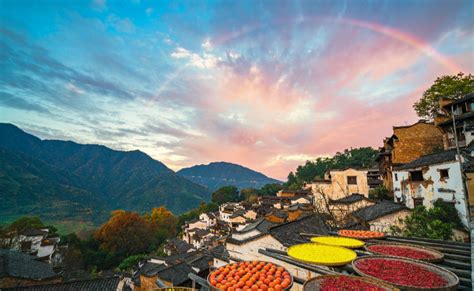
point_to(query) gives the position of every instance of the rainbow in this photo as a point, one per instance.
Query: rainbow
(398, 35)
(405, 38)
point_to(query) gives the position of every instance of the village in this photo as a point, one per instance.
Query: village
(419, 164)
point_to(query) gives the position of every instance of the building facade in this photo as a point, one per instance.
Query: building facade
(429, 178)
(406, 144)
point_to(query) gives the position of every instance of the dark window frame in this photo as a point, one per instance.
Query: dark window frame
(417, 202)
(351, 180)
(444, 173)
(416, 176)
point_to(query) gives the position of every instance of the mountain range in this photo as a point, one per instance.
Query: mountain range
(66, 180)
(218, 174)
(63, 180)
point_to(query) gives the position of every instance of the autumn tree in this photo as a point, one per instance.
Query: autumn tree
(126, 233)
(163, 223)
(450, 86)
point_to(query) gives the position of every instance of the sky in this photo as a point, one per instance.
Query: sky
(265, 84)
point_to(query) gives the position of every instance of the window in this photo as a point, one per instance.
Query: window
(417, 202)
(444, 173)
(352, 180)
(416, 176)
(396, 177)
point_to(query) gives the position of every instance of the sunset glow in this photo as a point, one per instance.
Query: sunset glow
(267, 84)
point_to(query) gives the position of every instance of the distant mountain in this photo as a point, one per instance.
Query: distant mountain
(66, 180)
(218, 174)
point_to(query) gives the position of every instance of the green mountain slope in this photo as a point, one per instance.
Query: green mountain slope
(48, 176)
(218, 174)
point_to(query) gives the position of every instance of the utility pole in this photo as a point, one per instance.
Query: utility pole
(463, 176)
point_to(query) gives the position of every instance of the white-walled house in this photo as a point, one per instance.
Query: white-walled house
(208, 218)
(429, 178)
(226, 210)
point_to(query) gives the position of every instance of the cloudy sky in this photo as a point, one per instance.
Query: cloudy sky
(266, 84)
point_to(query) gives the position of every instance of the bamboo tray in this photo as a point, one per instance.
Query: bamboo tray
(338, 241)
(340, 233)
(438, 255)
(450, 277)
(214, 288)
(314, 284)
(351, 255)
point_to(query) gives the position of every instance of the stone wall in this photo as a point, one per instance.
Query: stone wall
(415, 141)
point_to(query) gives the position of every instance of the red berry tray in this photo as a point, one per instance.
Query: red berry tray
(406, 274)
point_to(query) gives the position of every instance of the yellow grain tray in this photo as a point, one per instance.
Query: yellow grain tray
(322, 254)
(338, 241)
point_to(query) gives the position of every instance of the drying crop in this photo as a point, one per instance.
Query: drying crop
(338, 241)
(250, 276)
(402, 251)
(347, 283)
(322, 254)
(401, 273)
(361, 234)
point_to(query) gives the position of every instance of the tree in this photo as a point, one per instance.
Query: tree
(26, 222)
(128, 263)
(226, 194)
(125, 233)
(380, 193)
(161, 219)
(270, 189)
(246, 193)
(363, 157)
(429, 223)
(450, 86)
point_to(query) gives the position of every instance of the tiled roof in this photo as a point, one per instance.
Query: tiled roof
(431, 159)
(177, 245)
(466, 97)
(21, 265)
(33, 232)
(201, 263)
(289, 233)
(238, 213)
(102, 284)
(176, 274)
(280, 214)
(150, 269)
(220, 252)
(377, 210)
(349, 199)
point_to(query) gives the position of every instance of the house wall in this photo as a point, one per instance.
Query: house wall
(249, 252)
(384, 223)
(251, 214)
(198, 224)
(146, 283)
(274, 219)
(415, 141)
(243, 236)
(301, 200)
(338, 187)
(237, 220)
(432, 188)
(470, 191)
(11, 282)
